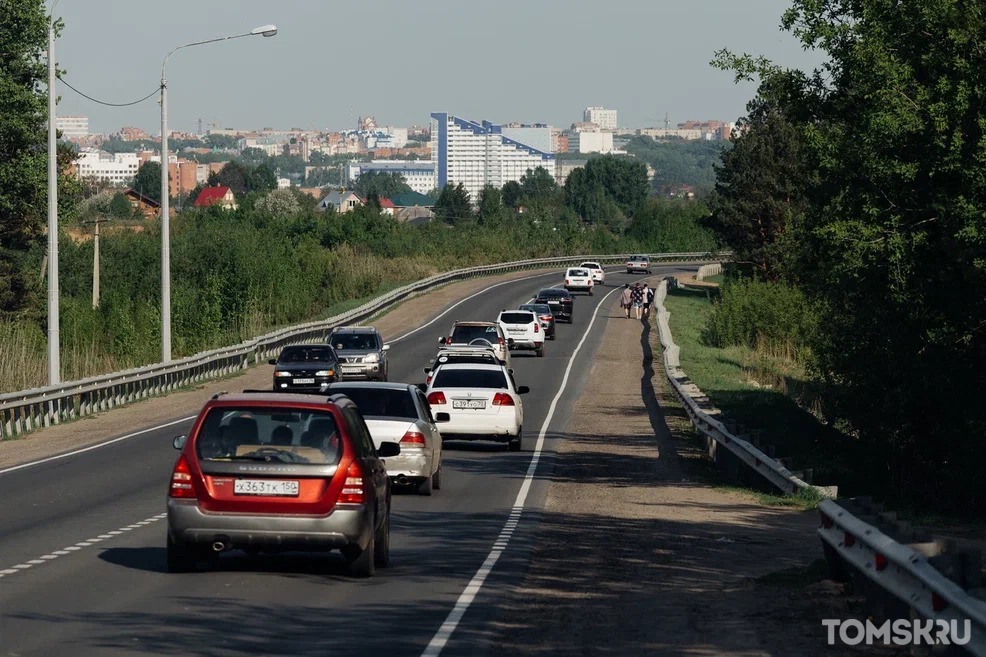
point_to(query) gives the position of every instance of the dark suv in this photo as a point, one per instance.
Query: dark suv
(559, 300)
(362, 352)
(305, 368)
(271, 472)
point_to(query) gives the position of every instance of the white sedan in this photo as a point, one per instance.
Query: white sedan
(482, 401)
(399, 413)
(598, 274)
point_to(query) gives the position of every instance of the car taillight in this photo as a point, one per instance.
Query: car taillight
(568, 282)
(181, 479)
(502, 399)
(352, 490)
(501, 341)
(545, 318)
(436, 397)
(428, 380)
(413, 439)
(536, 327)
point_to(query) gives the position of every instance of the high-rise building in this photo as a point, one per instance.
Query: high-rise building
(604, 118)
(72, 127)
(479, 154)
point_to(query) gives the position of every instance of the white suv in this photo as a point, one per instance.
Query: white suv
(598, 275)
(524, 328)
(577, 278)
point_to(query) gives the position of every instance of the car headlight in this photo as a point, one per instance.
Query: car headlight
(371, 358)
(282, 373)
(325, 373)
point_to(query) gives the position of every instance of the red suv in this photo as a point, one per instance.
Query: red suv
(270, 472)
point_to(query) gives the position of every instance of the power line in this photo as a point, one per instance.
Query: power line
(95, 100)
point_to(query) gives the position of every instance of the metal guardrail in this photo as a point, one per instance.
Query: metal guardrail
(27, 410)
(712, 429)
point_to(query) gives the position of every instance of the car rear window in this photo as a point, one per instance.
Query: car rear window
(554, 294)
(590, 265)
(578, 272)
(466, 334)
(457, 378)
(355, 341)
(278, 435)
(306, 354)
(517, 318)
(378, 402)
(541, 308)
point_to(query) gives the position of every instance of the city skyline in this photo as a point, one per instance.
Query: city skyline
(317, 75)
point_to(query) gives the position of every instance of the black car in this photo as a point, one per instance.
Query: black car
(559, 300)
(545, 315)
(305, 368)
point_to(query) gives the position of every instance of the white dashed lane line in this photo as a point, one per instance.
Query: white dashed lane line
(89, 542)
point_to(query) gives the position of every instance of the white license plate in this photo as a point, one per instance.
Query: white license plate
(302, 381)
(554, 303)
(516, 330)
(468, 403)
(266, 487)
(351, 369)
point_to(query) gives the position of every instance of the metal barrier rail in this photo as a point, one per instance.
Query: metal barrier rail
(26, 410)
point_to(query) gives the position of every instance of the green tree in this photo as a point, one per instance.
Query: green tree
(490, 205)
(148, 180)
(538, 184)
(621, 180)
(223, 142)
(236, 176)
(120, 207)
(384, 184)
(512, 193)
(453, 204)
(213, 179)
(23, 115)
(278, 203)
(262, 179)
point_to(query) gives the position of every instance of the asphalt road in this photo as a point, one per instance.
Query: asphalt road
(82, 538)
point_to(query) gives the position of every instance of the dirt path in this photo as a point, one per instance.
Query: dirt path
(148, 413)
(639, 554)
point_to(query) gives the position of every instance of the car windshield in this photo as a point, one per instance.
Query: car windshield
(377, 402)
(456, 378)
(278, 435)
(517, 318)
(306, 354)
(355, 341)
(466, 334)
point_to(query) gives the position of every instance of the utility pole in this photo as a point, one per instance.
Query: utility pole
(95, 260)
(54, 353)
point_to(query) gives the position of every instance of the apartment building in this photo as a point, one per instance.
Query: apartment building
(72, 127)
(418, 174)
(115, 168)
(602, 117)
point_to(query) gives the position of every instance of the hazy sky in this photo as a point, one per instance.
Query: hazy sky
(400, 60)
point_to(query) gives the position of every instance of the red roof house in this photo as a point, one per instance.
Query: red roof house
(222, 196)
(387, 207)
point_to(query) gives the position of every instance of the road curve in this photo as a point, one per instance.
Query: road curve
(82, 566)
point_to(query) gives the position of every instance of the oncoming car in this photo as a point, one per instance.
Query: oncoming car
(272, 472)
(361, 351)
(304, 368)
(638, 263)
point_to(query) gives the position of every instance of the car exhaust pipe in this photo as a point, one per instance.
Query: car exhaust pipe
(218, 546)
(401, 480)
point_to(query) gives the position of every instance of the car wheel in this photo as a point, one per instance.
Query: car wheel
(182, 558)
(425, 486)
(362, 562)
(540, 351)
(381, 545)
(436, 479)
(515, 443)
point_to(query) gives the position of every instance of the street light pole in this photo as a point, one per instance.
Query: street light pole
(265, 31)
(54, 352)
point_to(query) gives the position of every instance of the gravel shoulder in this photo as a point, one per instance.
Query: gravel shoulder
(642, 552)
(148, 413)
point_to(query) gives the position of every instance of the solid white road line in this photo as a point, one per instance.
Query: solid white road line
(475, 585)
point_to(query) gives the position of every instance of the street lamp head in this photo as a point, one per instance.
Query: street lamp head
(265, 30)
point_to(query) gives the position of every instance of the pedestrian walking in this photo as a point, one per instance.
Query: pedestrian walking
(648, 299)
(637, 298)
(625, 300)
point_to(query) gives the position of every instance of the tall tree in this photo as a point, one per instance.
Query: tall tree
(262, 179)
(23, 131)
(512, 193)
(453, 204)
(148, 180)
(384, 184)
(538, 184)
(236, 176)
(490, 205)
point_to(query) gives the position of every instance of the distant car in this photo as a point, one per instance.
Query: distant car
(560, 301)
(543, 311)
(478, 334)
(305, 368)
(399, 412)
(482, 401)
(638, 263)
(598, 274)
(271, 472)
(362, 352)
(523, 327)
(578, 279)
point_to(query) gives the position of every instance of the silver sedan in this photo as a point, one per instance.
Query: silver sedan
(399, 412)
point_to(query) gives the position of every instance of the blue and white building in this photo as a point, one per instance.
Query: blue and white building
(479, 154)
(418, 174)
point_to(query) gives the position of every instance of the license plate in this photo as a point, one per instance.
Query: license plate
(554, 303)
(468, 403)
(302, 381)
(517, 330)
(351, 369)
(265, 487)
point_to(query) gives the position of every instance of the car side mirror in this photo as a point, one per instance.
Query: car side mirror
(386, 347)
(523, 390)
(442, 417)
(441, 339)
(272, 361)
(179, 441)
(427, 370)
(423, 387)
(388, 448)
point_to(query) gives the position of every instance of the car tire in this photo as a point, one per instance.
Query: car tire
(362, 563)
(181, 557)
(425, 487)
(516, 442)
(540, 351)
(381, 545)
(436, 479)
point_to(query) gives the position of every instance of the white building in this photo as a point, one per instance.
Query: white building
(72, 127)
(537, 136)
(604, 118)
(479, 154)
(418, 174)
(116, 168)
(590, 142)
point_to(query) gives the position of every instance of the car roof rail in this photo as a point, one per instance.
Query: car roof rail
(220, 394)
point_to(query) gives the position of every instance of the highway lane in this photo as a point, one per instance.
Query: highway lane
(113, 597)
